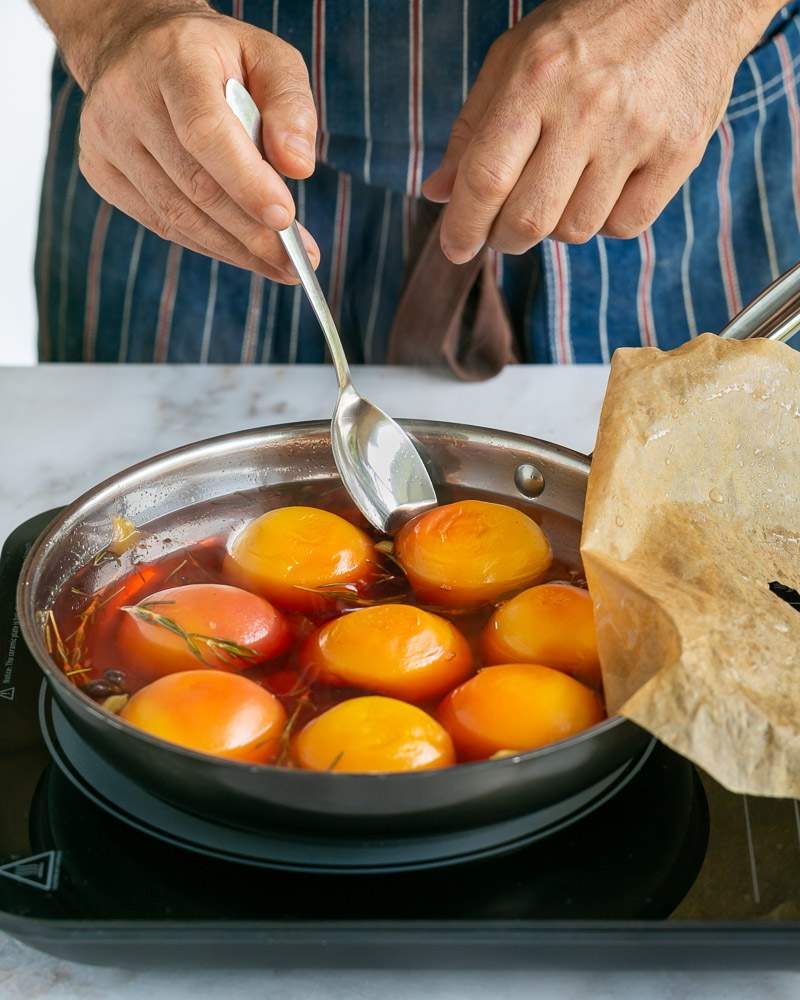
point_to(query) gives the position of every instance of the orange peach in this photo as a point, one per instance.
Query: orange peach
(201, 623)
(552, 624)
(393, 649)
(516, 706)
(373, 734)
(288, 553)
(210, 711)
(472, 551)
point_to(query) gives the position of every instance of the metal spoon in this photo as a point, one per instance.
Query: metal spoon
(380, 467)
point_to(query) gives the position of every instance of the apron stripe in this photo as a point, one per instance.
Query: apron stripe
(208, 318)
(369, 334)
(730, 278)
(415, 125)
(64, 255)
(166, 303)
(340, 246)
(253, 321)
(644, 294)
(686, 259)
(318, 75)
(763, 198)
(92, 307)
(367, 114)
(57, 122)
(130, 284)
(464, 50)
(602, 319)
(790, 86)
(269, 333)
(561, 272)
(297, 298)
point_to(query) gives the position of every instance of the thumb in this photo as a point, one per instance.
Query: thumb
(277, 79)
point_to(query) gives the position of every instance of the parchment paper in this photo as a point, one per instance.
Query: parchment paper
(693, 508)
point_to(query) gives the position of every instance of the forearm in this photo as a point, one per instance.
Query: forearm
(87, 31)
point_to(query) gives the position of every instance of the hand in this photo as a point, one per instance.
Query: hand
(159, 142)
(587, 117)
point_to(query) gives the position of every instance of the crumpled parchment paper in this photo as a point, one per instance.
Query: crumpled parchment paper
(692, 510)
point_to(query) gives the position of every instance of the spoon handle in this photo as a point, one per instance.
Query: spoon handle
(773, 315)
(246, 110)
(293, 242)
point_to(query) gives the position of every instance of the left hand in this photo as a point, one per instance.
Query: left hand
(587, 117)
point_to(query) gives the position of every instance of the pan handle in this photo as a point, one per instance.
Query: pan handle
(773, 315)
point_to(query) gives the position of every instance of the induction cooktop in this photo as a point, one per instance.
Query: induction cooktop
(665, 868)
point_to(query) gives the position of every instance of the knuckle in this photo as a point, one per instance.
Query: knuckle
(529, 228)
(201, 187)
(461, 131)
(175, 214)
(488, 178)
(199, 129)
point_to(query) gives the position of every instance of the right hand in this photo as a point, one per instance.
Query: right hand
(158, 141)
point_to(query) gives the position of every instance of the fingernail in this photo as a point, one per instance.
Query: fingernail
(300, 146)
(457, 256)
(276, 217)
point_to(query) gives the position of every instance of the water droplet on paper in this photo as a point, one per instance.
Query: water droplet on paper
(715, 495)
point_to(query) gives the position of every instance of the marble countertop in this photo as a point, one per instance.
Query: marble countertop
(64, 428)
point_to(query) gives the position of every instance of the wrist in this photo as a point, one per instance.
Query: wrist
(91, 36)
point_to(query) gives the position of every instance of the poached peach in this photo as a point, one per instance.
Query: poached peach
(373, 734)
(392, 649)
(552, 624)
(472, 551)
(516, 707)
(208, 624)
(289, 553)
(210, 711)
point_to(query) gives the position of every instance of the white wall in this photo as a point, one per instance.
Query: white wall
(26, 51)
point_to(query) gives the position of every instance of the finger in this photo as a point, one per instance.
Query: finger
(592, 200)
(532, 210)
(278, 82)
(439, 185)
(173, 217)
(201, 189)
(210, 132)
(488, 172)
(644, 197)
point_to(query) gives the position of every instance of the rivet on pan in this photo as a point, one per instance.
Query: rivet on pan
(529, 480)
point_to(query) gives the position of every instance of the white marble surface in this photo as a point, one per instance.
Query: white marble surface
(64, 428)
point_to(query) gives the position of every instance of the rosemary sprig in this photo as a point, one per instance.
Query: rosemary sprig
(285, 740)
(225, 650)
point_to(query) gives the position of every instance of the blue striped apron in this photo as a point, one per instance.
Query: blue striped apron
(389, 77)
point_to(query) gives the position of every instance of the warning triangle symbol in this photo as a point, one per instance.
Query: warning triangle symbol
(40, 871)
(7, 693)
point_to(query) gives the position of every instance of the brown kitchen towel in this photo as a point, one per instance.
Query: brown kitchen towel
(691, 532)
(451, 314)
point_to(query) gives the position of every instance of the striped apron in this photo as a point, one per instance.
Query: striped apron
(389, 77)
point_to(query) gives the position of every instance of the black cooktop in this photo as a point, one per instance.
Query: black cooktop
(672, 870)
